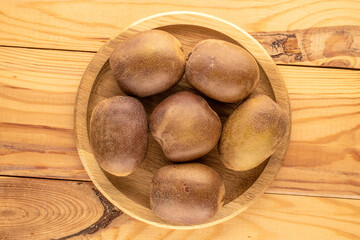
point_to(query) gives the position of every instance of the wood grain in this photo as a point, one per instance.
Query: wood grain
(48, 209)
(52, 209)
(323, 156)
(37, 97)
(324, 150)
(325, 32)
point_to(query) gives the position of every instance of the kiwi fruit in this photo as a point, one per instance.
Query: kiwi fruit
(222, 70)
(189, 193)
(252, 133)
(118, 134)
(185, 126)
(148, 63)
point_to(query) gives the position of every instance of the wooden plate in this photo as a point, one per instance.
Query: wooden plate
(131, 193)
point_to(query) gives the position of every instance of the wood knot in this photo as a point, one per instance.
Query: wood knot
(338, 44)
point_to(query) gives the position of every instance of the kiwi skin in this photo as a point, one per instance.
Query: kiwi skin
(252, 133)
(148, 63)
(118, 134)
(222, 70)
(185, 126)
(187, 194)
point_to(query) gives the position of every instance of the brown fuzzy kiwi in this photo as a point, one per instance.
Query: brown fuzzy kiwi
(185, 126)
(223, 71)
(118, 134)
(252, 133)
(188, 194)
(148, 63)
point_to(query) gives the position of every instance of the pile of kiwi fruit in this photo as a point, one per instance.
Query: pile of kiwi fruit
(184, 125)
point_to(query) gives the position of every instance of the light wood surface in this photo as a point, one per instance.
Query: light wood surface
(58, 212)
(38, 87)
(37, 97)
(322, 157)
(50, 24)
(131, 193)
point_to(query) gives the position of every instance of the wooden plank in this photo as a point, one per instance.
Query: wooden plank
(48, 209)
(324, 150)
(54, 209)
(328, 35)
(37, 92)
(37, 95)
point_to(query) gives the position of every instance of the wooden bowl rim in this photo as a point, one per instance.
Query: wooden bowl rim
(181, 18)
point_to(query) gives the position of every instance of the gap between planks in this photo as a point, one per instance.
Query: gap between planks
(84, 51)
(266, 192)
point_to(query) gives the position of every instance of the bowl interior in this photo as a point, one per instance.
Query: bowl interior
(137, 185)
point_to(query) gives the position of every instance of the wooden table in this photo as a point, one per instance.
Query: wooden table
(45, 47)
